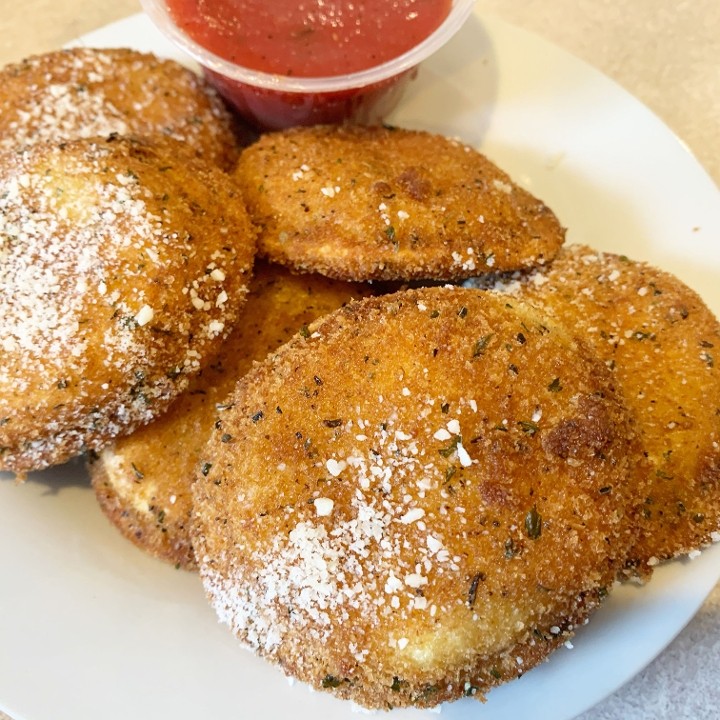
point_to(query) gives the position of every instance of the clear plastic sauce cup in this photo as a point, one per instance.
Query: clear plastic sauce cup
(272, 101)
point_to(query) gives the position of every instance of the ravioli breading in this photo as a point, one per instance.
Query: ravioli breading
(122, 269)
(363, 203)
(417, 500)
(143, 481)
(661, 341)
(86, 92)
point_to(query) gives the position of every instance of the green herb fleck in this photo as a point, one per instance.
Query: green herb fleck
(129, 322)
(641, 335)
(533, 524)
(472, 592)
(205, 469)
(448, 450)
(138, 473)
(529, 428)
(336, 422)
(305, 331)
(398, 684)
(555, 385)
(481, 345)
(330, 681)
(427, 691)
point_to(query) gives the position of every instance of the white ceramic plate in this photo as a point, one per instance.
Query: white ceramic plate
(92, 628)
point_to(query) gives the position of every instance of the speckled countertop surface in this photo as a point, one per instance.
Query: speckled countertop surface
(667, 54)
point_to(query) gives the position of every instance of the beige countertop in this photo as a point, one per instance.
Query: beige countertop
(667, 54)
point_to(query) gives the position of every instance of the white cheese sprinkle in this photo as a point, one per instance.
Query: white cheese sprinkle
(144, 315)
(215, 327)
(415, 580)
(412, 515)
(335, 467)
(463, 457)
(502, 186)
(433, 544)
(323, 506)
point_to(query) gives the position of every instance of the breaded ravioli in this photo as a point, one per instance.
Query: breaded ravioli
(362, 203)
(122, 268)
(661, 341)
(418, 499)
(143, 481)
(85, 92)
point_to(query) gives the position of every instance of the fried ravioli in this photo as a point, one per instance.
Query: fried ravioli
(143, 481)
(362, 203)
(85, 92)
(122, 270)
(661, 341)
(418, 499)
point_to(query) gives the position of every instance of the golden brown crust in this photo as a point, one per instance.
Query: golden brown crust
(376, 203)
(143, 481)
(86, 92)
(122, 270)
(418, 500)
(661, 341)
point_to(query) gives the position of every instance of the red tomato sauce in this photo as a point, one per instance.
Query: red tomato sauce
(308, 38)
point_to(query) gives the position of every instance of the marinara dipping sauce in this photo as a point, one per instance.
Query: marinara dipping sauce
(302, 62)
